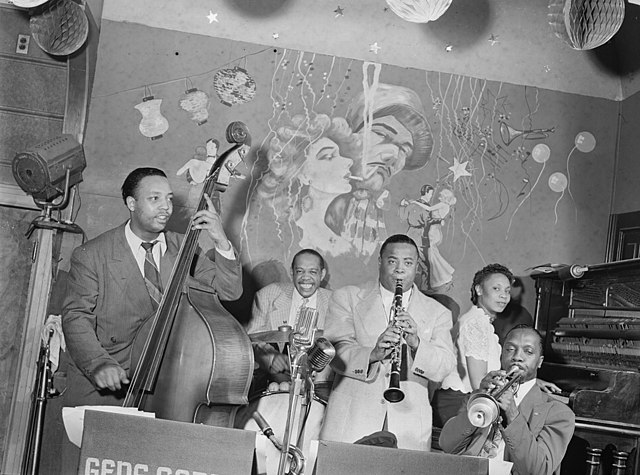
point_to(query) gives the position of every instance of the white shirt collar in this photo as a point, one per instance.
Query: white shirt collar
(297, 299)
(387, 298)
(135, 243)
(523, 390)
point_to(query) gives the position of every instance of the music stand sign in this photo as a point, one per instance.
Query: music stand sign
(118, 444)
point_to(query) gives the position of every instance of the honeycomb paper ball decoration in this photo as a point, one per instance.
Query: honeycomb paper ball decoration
(419, 11)
(585, 24)
(60, 27)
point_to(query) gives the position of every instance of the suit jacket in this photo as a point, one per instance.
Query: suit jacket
(535, 441)
(272, 304)
(357, 408)
(271, 308)
(107, 301)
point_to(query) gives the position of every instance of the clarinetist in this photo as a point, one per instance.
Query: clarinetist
(366, 329)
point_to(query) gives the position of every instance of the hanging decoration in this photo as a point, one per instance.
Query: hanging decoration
(585, 24)
(153, 123)
(419, 11)
(558, 182)
(585, 142)
(234, 86)
(195, 102)
(541, 153)
(60, 27)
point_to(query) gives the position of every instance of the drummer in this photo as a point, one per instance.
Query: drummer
(279, 304)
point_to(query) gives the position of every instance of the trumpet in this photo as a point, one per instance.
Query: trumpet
(393, 393)
(483, 409)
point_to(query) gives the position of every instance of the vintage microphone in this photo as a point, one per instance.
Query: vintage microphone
(320, 354)
(301, 341)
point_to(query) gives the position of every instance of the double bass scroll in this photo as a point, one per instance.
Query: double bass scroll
(192, 353)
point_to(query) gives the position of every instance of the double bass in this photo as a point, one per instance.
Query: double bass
(193, 360)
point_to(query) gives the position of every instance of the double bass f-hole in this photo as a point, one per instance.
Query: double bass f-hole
(184, 355)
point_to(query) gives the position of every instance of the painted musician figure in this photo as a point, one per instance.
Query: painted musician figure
(279, 304)
(358, 324)
(107, 297)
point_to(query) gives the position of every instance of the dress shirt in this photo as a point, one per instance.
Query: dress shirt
(296, 304)
(135, 243)
(387, 299)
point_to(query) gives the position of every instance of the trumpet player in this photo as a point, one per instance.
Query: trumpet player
(532, 431)
(366, 328)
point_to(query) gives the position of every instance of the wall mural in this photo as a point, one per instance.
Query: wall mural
(345, 153)
(327, 173)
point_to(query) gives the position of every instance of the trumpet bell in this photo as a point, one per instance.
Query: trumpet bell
(482, 410)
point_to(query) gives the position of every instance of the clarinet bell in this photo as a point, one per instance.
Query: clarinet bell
(393, 394)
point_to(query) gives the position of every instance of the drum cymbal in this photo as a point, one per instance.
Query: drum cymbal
(273, 336)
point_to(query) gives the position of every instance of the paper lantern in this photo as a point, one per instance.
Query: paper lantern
(585, 24)
(196, 102)
(153, 123)
(60, 27)
(419, 11)
(234, 86)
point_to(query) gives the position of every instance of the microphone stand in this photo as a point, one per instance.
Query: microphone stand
(31, 461)
(297, 382)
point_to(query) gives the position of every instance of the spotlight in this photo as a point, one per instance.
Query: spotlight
(47, 170)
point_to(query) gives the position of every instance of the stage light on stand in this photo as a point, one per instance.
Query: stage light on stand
(47, 171)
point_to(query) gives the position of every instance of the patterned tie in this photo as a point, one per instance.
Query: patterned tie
(304, 303)
(151, 274)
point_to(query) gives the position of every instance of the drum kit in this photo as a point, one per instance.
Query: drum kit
(290, 413)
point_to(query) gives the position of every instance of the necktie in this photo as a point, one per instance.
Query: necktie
(304, 303)
(151, 274)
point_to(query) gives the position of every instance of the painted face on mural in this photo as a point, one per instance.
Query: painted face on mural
(325, 169)
(385, 151)
(307, 274)
(493, 293)
(522, 349)
(212, 148)
(398, 261)
(151, 208)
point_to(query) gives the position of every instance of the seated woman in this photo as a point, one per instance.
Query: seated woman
(476, 342)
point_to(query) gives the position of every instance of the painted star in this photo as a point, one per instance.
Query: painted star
(212, 17)
(493, 39)
(374, 48)
(275, 36)
(339, 11)
(459, 169)
(449, 48)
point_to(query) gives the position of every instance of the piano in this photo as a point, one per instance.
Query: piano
(589, 317)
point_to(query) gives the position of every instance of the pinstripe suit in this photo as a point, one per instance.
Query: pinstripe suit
(107, 301)
(272, 304)
(271, 308)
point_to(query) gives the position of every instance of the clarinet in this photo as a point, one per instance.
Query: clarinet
(393, 393)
